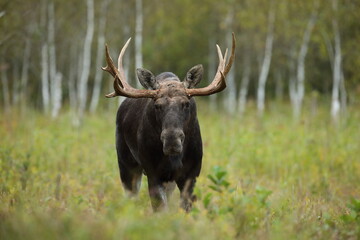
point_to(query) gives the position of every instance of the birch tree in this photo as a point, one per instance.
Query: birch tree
(138, 36)
(55, 76)
(99, 56)
(337, 66)
(297, 84)
(86, 59)
(44, 61)
(264, 72)
(211, 68)
(230, 98)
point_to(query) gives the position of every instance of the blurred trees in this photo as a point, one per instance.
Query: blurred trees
(51, 51)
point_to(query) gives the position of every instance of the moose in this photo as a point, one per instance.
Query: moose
(157, 130)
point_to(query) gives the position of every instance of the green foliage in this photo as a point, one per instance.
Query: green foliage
(218, 179)
(261, 179)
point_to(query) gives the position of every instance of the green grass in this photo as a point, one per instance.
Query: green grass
(268, 179)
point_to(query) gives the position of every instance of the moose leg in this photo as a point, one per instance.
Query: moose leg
(130, 170)
(169, 188)
(157, 194)
(131, 179)
(186, 187)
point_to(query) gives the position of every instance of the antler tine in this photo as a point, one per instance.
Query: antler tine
(120, 65)
(110, 68)
(221, 59)
(232, 56)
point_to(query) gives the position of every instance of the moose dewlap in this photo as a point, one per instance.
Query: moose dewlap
(157, 130)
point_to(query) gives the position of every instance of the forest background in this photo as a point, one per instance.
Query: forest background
(51, 51)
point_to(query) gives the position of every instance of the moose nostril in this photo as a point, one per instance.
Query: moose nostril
(182, 136)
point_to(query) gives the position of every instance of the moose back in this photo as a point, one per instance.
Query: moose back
(157, 130)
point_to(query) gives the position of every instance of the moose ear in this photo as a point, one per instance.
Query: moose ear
(147, 79)
(194, 76)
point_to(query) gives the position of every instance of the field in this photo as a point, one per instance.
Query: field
(272, 178)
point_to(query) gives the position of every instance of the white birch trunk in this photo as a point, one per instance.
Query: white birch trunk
(300, 74)
(244, 85)
(265, 64)
(45, 77)
(138, 37)
(229, 100)
(212, 68)
(99, 57)
(299, 88)
(57, 96)
(44, 61)
(71, 80)
(337, 67)
(55, 77)
(86, 60)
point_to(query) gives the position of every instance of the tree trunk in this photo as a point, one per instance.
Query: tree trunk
(300, 73)
(265, 64)
(45, 77)
(212, 68)
(57, 95)
(138, 37)
(86, 60)
(244, 84)
(126, 59)
(99, 58)
(55, 77)
(44, 61)
(337, 68)
(72, 76)
(230, 97)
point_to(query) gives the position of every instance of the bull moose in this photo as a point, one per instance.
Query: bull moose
(157, 130)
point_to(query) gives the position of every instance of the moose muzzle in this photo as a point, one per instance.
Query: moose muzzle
(172, 140)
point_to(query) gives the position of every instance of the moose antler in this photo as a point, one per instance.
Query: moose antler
(218, 84)
(121, 86)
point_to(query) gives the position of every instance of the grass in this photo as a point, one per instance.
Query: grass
(268, 179)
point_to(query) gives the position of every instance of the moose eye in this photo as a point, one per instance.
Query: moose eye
(185, 105)
(158, 107)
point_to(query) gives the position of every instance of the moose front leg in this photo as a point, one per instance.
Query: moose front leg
(186, 187)
(157, 194)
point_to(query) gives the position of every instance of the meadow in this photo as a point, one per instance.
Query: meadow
(269, 178)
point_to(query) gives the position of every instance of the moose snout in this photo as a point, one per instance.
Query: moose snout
(172, 141)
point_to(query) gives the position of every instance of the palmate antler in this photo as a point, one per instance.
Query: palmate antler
(218, 84)
(122, 87)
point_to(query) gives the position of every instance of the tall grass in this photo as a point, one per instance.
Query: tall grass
(270, 178)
